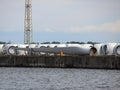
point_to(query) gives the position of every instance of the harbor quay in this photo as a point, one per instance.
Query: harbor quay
(94, 62)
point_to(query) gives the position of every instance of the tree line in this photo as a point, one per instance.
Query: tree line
(71, 42)
(56, 42)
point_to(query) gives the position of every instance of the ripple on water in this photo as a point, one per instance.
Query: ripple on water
(58, 79)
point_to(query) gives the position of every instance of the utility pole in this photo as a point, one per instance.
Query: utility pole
(28, 22)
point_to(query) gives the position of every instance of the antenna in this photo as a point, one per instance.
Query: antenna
(28, 22)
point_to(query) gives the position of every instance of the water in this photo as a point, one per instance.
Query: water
(58, 79)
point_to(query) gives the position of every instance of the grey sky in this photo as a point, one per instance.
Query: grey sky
(78, 20)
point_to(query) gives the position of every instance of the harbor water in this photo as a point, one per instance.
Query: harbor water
(58, 79)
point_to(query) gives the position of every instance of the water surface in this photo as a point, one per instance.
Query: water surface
(58, 79)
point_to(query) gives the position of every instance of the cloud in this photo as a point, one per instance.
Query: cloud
(62, 15)
(105, 27)
(81, 9)
(49, 30)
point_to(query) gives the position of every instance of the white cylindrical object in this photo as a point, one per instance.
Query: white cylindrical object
(117, 50)
(33, 45)
(9, 49)
(102, 49)
(66, 49)
(1, 48)
(22, 52)
(111, 47)
(98, 47)
(61, 45)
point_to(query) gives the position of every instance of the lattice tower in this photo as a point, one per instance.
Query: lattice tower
(28, 22)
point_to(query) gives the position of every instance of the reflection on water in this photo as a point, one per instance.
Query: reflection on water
(58, 79)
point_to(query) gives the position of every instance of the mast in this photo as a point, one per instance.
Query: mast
(28, 22)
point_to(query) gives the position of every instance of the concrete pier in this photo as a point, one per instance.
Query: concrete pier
(96, 62)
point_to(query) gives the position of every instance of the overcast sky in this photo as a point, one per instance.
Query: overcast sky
(62, 20)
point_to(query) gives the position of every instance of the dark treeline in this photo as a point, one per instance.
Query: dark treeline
(2, 42)
(71, 42)
(5, 42)
(56, 42)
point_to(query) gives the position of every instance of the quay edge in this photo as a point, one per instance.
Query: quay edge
(95, 62)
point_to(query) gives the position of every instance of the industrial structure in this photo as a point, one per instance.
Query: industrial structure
(28, 22)
(103, 55)
(108, 49)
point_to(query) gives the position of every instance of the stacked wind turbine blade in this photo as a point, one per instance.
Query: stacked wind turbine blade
(1, 48)
(22, 49)
(116, 50)
(9, 49)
